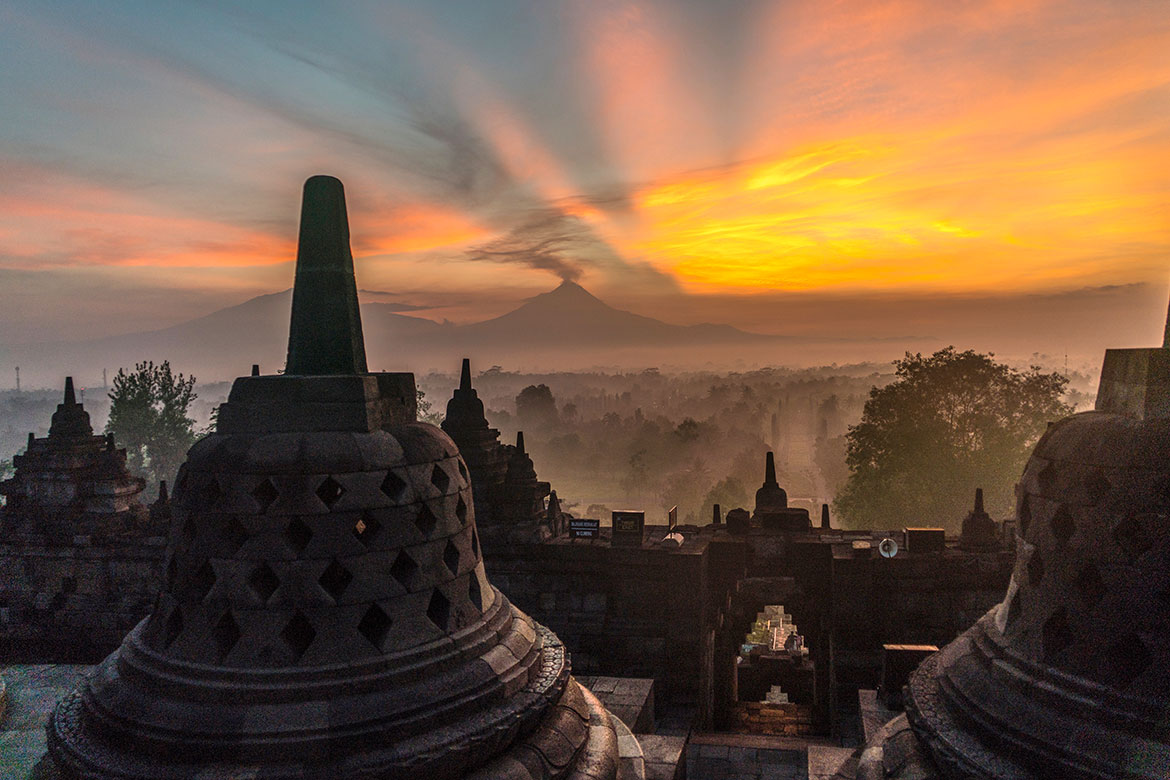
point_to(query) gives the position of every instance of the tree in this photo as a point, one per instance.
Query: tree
(535, 405)
(947, 424)
(687, 430)
(423, 409)
(148, 416)
(729, 493)
(6, 472)
(829, 457)
(636, 476)
(685, 488)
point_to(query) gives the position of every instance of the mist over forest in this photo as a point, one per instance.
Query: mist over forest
(648, 439)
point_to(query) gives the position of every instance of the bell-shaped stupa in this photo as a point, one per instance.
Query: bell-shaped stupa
(771, 509)
(325, 611)
(1069, 677)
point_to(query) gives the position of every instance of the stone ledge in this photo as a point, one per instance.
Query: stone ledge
(630, 699)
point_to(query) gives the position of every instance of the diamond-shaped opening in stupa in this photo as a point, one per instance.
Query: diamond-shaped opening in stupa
(330, 491)
(335, 579)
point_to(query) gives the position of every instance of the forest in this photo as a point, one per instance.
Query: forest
(645, 440)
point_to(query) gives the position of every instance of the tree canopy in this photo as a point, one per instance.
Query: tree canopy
(148, 416)
(535, 405)
(947, 424)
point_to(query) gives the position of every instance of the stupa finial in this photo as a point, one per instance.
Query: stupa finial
(770, 469)
(325, 336)
(520, 443)
(70, 419)
(465, 375)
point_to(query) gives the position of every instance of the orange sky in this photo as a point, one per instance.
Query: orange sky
(682, 151)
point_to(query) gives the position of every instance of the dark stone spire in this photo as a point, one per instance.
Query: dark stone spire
(716, 519)
(979, 530)
(70, 419)
(825, 517)
(523, 491)
(464, 411)
(465, 375)
(480, 447)
(325, 336)
(771, 510)
(770, 496)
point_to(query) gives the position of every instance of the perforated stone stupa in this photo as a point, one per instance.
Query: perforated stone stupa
(325, 611)
(1069, 677)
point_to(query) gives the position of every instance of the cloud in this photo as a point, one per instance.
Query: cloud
(393, 305)
(547, 240)
(901, 146)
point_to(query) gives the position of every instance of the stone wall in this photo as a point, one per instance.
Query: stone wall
(622, 611)
(781, 720)
(73, 604)
(926, 598)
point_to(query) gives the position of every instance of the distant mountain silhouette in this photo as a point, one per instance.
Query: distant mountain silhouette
(572, 316)
(565, 326)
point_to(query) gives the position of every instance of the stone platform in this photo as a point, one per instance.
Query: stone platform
(630, 698)
(27, 696)
(750, 757)
(29, 692)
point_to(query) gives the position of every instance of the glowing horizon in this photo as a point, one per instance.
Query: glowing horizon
(646, 148)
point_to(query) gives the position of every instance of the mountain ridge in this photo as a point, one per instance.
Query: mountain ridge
(565, 321)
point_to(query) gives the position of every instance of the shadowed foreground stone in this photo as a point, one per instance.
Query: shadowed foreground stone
(1069, 677)
(325, 611)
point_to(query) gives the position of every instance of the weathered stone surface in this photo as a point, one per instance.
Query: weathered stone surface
(325, 611)
(27, 696)
(509, 498)
(1067, 676)
(81, 558)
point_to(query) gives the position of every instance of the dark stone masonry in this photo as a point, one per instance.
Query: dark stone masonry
(80, 556)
